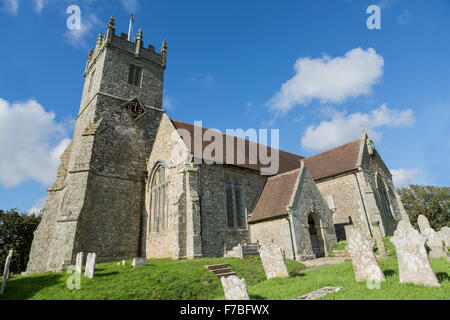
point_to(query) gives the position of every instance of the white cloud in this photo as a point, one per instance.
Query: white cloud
(77, 37)
(38, 206)
(404, 177)
(404, 17)
(330, 79)
(130, 5)
(31, 142)
(39, 5)
(10, 6)
(205, 79)
(343, 128)
(168, 102)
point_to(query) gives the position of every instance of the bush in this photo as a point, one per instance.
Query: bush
(16, 233)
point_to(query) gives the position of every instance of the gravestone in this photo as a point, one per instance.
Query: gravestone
(413, 263)
(90, 265)
(382, 252)
(138, 262)
(434, 240)
(79, 263)
(123, 262)
(6, 272)
(273, 261)
(365, 263)
(235, 288)
(445, 236)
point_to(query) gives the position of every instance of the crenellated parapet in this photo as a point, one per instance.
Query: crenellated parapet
(135, 48)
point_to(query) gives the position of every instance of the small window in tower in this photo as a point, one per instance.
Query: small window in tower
(135, 75)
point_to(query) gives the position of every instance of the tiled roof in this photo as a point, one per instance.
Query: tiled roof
(335, 161)
(288, 161)
(275, 197)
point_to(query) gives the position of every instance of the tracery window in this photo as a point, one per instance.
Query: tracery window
(159, 204)
(235, 211)
(384, 198)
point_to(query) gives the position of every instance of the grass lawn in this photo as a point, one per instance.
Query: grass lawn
(166, 279)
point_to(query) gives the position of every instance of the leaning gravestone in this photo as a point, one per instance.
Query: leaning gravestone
(6, 272)
(378, 235)
(90, 265)
(79, 263)
(273, 262)
(413, 263)
(365, 263)
(138, 262)
(235, 288)
(434, 240)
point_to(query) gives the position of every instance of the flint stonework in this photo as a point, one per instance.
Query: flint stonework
(413, 263)
(235, 288)
(6, 272)
(365, 263)
(273, 261)
(90, 265)
(79, 263)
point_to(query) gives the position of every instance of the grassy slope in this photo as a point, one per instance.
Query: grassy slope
(160, 279)
(188, 279)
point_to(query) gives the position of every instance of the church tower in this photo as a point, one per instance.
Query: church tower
(96, 202)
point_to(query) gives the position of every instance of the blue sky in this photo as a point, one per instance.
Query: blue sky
(310, 68)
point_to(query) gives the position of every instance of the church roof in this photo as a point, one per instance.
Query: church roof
(288, 161)
(275, 197)
(335, 161)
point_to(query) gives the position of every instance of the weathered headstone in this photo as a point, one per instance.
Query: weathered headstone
(378, 235)
(90, 265)
(413, 263)
(273, 262)
(365, 263)
(138, 262)
(434, 240)
(6, 272)
(235, 288)
(445, 236)
(79, 263)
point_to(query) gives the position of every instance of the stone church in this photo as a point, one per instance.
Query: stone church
(130, 183)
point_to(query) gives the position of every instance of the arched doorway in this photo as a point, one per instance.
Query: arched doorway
(315, 235)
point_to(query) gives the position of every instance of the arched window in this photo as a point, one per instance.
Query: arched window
(235, 211)
(159, 204)
(384, 198)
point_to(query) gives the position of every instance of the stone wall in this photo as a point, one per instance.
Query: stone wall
(216, 237)
(170, 151)
(347, 200)
(276, 232)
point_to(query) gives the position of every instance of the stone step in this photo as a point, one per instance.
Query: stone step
(222, 270)
(217, 266)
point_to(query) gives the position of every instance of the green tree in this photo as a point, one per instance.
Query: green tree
(431, 201)
(16, 233)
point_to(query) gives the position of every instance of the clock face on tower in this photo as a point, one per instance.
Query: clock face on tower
(135, 109)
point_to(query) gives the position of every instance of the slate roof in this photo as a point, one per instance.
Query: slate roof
(335, 161)
(288, 161)
(275, 197)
